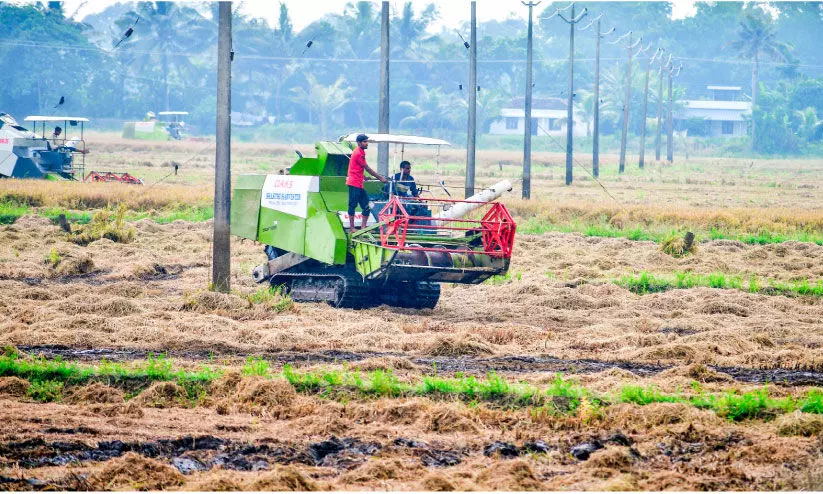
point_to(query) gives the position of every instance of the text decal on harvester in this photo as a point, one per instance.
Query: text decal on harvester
(288, 193)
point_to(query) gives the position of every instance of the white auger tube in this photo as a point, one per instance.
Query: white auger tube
(460, 209)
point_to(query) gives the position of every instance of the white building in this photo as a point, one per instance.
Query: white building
(724, 112)
(548, 118)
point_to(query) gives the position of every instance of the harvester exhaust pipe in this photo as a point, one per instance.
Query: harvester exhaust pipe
(460, 209)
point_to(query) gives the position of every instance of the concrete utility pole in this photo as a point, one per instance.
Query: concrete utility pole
(571, 21)
(670, 122)
(472, 124)
(383, 119)
(596, 132)
(645, 105)
(627, 102)
(527, 106)
(663, 66)
(221, 255)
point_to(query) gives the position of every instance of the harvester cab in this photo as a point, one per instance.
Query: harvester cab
(58, 151)
(411, 245)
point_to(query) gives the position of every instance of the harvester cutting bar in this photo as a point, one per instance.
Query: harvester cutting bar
(125, 178)
(495, 229)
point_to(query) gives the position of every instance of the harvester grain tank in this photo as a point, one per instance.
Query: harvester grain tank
(413, 245)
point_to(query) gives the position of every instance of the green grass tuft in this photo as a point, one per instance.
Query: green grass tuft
(256, 366)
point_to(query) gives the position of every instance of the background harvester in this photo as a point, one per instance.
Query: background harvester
(412, 245)
(24, 154)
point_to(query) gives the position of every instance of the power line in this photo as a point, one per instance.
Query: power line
(38, 44)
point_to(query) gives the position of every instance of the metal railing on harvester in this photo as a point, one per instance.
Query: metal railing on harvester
(495, 229)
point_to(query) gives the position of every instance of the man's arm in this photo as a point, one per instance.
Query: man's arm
(374, 173)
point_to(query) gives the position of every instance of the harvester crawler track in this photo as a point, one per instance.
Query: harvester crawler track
(421, 295)
(338, 287)
(341, 287)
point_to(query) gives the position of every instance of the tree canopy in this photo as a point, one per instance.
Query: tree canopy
(169, 62)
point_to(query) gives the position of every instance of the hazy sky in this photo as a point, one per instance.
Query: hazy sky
(452, 12)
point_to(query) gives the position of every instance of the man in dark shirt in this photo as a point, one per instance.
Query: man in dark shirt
(404, 178)
(356, 178)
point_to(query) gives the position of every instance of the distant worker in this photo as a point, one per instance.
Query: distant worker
(405, 179)
(356, 178)
(56, 140)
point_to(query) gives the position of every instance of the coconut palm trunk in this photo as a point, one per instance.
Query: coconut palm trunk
(755, 69)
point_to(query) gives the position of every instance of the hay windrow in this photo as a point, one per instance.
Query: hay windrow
(799, 424)
(387, 363)
(13, 387)
(285, 479)
(699, 373)
(215, 302)
(446, 418)
(460, 344)
(95, 393)
(135, 472)
(267, 393)
(163, 395)
(438, 483)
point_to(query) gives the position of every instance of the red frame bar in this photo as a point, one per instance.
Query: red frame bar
(497, 227)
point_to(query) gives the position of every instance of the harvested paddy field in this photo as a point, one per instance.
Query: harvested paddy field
(599, 362)
(562, 310)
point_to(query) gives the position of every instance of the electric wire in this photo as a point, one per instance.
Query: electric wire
(579, 165)
(63, 46)
(207, 147)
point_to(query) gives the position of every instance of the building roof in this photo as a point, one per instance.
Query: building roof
(740, 106)
(521, 113)
(724, 88)
(539, 103)
(729, 111)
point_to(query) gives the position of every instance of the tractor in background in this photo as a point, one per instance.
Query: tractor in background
(168, 128)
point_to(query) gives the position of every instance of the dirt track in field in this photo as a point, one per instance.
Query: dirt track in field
(558, 312)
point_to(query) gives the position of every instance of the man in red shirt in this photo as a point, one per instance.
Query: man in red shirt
(355, 179)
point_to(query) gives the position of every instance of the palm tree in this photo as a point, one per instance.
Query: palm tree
(168, 29)
(324, 100)
(426, 112)
(807, 123)
(584, 106)
(756, 38)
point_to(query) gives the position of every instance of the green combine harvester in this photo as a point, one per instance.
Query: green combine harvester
(409, 246)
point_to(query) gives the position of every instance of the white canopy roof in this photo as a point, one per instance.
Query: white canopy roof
(400, 139)
(173, 113)
(38, 118)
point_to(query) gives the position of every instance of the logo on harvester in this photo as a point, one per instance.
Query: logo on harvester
(288, 195)
(284, 197)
